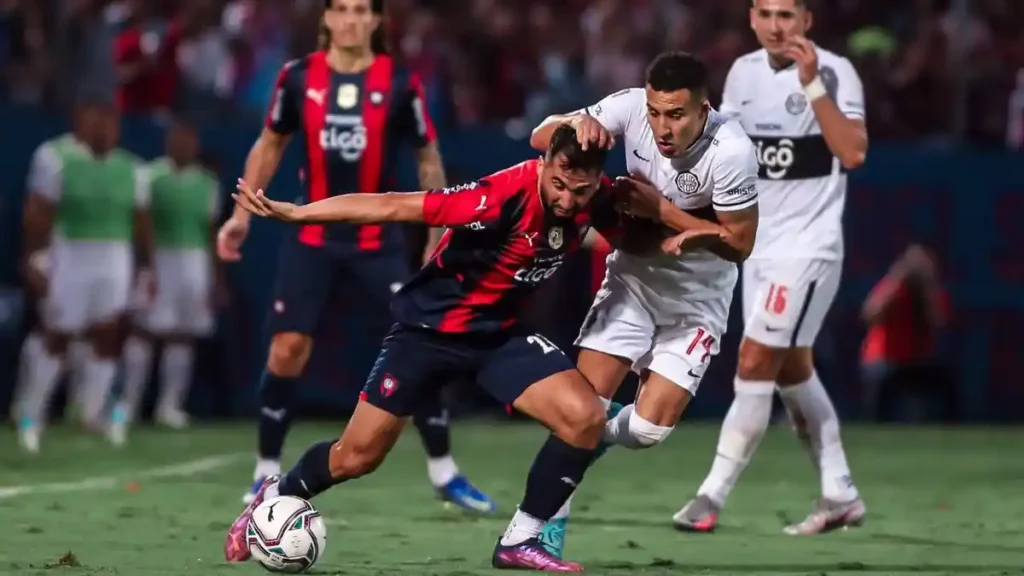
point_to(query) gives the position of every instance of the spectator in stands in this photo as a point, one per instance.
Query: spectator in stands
(905, 313)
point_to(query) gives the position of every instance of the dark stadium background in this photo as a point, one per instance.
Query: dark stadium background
(944, 168)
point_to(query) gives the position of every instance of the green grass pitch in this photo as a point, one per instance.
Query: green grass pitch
(940, 502)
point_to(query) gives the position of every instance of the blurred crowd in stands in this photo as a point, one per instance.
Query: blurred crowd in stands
(932, 69)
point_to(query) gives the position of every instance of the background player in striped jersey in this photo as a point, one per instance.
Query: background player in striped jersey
(804, 108)
(185, 204)
(507, 233)
(352, 105)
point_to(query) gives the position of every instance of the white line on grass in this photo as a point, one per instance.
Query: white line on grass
(184, 469)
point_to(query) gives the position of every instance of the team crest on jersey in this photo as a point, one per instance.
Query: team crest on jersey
(348, 96)
(555, 237)
(388, 385)
(376, 98)
(687, 182)
(796, 103)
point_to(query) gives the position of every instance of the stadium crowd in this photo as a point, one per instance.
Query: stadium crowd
(496, 60)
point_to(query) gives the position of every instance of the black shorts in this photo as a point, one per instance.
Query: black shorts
(309, 278)
(415, 363)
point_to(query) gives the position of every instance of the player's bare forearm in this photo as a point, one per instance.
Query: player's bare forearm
(262, 162)
(846, 137)
(145, 246)
(38, 223)
(739, 231)
(670, 215)
(432, 177)
(363, 209)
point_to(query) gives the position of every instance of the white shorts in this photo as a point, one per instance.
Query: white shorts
(785, 301)
(90, 284)
(678, 347)
(184, 289)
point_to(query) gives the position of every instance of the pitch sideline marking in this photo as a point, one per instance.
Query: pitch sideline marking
(183, 469)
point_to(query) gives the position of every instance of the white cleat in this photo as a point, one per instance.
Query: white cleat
(172, 418)
(29, 437)
(829, 515)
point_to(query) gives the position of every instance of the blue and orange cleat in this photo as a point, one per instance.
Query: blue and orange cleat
(552, 537)
(462, 493)
(530, 555)
(236, 545)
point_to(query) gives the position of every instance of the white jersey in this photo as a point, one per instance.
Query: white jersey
(802, 185)
(717, 173)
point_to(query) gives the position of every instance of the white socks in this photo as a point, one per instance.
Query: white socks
(817, 424)
(442, 470)
(521, 528)
(98, 380)
(42, 372)
(175, 376)
(742, 431)
(138, 357)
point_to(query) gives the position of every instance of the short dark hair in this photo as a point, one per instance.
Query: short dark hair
(672, 71)
(807, 4)
(564, 142)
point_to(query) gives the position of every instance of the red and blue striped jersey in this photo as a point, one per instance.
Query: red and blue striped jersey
(500, 244)
(352, 126)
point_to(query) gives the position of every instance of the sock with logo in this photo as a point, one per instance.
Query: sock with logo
(816, 423)
(311, 475)
(556, 472)
(137, 360)
(566, 508)
(277, 401)
(742, 430)
(431, 419)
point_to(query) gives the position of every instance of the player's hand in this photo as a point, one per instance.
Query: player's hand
(230, 238)
(802, 51)
(589, 131)
(255, 202)
(691, 240)
(638, 197)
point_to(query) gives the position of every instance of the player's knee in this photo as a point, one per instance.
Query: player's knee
(353, 459)
(646, 433)
(584, 422)
(796, 368)
(288, 354)
(757, 361)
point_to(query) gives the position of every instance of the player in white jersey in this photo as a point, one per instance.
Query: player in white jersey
(185, 202)
(87, 203)
(662, 315)
(804, 108)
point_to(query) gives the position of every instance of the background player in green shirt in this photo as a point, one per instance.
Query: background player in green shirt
(88, 204)
(184, 203)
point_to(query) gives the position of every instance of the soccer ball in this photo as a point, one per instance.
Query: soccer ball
(286, 534)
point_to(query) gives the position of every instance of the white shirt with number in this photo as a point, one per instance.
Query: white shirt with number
(716, 174)
(801, 184)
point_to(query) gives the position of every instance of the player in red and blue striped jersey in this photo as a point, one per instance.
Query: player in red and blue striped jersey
(352, 106)
(507, 233)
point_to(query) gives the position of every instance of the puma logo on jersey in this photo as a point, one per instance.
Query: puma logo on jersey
(316, 96)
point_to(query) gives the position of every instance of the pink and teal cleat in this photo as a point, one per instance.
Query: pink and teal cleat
(530, 555)
(236, 546)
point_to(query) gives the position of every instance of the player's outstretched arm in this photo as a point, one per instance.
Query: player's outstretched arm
(354, 208)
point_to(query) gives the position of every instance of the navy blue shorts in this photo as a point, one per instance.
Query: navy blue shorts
(309, 278)
(415, 363)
